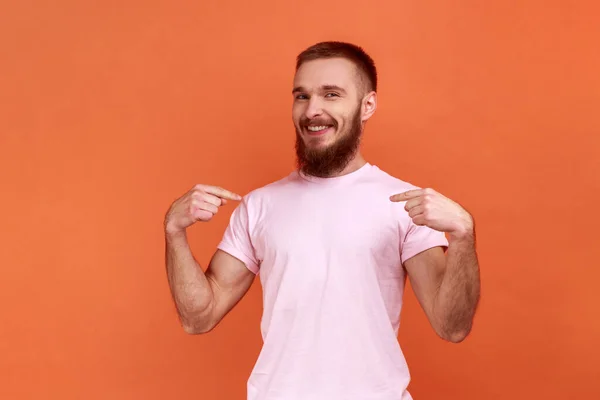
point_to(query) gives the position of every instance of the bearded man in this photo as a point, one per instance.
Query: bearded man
(333, 244)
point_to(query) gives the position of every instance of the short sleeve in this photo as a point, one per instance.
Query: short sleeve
(236, 239)
(420, 238)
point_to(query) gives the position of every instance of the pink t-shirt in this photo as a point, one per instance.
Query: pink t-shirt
(329, 255)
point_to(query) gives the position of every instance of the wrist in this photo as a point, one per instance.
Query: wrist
(463, 231)
(172, 232)
(461, 236)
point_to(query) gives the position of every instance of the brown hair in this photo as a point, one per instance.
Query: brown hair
(349, 51)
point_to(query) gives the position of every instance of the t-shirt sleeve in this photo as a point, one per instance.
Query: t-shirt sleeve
(236, 239)
(420, 238)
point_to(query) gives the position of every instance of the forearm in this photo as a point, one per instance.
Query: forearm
(191, 290)
(458, 293)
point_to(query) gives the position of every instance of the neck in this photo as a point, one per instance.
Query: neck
(357, 162)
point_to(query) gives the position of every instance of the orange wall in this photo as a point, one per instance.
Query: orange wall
(108, 112)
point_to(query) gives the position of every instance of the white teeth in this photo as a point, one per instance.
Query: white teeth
(316, 128)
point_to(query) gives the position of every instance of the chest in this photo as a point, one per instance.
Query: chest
(350, 235)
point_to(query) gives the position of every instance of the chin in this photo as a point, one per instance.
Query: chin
(318, 143)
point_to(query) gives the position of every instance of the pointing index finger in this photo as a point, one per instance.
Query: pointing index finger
(222, 193)
(404, 196)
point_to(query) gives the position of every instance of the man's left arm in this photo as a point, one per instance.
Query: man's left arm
(446, 286)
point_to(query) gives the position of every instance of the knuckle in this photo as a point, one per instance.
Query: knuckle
(196, 205)
(201, 196)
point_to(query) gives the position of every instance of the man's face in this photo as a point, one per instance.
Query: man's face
(328, 114)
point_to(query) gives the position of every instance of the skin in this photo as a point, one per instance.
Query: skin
(202, 298)
(328, 92)
(446, 286)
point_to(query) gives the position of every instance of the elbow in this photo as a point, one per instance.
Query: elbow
(193, 326)
(197, 323)
(197, 329)
(456, 335)
(453, 333)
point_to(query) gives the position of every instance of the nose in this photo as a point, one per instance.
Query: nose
(313, 108)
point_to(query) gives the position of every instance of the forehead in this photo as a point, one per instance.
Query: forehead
(331, 71)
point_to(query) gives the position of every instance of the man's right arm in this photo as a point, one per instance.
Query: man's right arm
(202, 298)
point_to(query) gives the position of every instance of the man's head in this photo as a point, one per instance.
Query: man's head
(334, 95)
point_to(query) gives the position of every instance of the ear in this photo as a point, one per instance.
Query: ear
(369, 105)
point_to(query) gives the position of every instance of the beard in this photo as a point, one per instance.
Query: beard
(325, 162)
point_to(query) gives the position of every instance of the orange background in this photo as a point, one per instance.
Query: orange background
(110, 111)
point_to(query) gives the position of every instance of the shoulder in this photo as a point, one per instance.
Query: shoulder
(388, 182)
(383, 185)
(268, 192)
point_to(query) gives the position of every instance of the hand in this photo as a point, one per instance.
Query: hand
(430, 208)
(201, 203)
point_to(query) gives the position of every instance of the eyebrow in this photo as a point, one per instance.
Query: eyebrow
(322, 88)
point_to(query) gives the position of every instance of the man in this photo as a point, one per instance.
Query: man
(333, 243)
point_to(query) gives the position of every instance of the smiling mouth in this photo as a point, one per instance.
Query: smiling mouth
(318, 129)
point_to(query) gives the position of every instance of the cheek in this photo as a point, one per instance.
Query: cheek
(341, 114)
(350, 118)
(344, 121)
(296, 115)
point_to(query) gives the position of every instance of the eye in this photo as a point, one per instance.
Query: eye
(301, 97)
(332, 95)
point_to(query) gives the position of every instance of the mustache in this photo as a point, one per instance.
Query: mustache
(317, 121)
